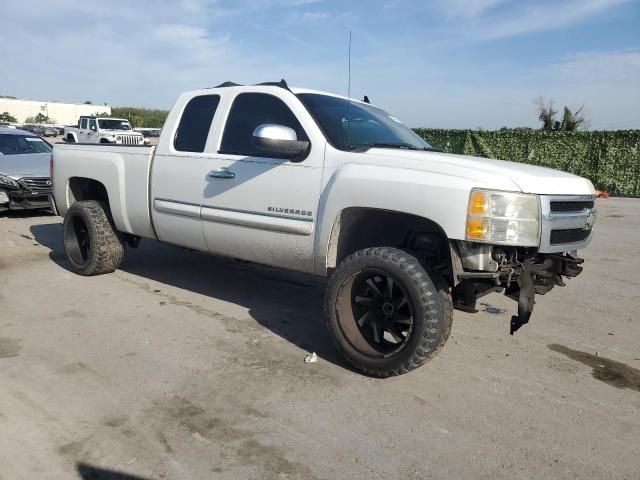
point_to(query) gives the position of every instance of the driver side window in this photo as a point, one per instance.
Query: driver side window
(250, 110)
(92, 124)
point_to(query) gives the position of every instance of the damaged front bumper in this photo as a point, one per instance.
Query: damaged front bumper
(521, 273)
(566, 223)
(31, 194)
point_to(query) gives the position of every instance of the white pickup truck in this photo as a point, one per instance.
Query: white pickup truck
(103, 130)
(318, 183)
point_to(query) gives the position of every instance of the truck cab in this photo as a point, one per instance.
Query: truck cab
(327, 185)
(93, 129)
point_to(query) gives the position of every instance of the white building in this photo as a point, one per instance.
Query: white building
(59, 113)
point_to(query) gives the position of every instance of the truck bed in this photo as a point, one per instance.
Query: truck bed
(124, 169)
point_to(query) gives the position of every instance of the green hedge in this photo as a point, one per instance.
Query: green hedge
(610, 159)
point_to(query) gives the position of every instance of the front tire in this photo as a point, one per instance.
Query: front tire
(91, 243)
(386, 315)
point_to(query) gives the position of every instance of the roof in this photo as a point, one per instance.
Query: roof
(95, 105)
(104, 118)
(283, 84)
(15, 131)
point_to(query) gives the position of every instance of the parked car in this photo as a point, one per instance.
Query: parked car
(148, 132)
(35, 129)
(50, 132)
(25, 181)
(103, 130)
(318, 183)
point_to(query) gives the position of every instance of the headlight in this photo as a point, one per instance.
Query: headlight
(8, 182)
(503, 218)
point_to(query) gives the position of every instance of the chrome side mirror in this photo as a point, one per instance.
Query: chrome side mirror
(280, 141)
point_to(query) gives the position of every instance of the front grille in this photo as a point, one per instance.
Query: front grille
(40, 185)
(572, 235)
(129, 140)
(571, 206)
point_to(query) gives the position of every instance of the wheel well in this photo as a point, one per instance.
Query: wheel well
(359, 228)
(81, 188)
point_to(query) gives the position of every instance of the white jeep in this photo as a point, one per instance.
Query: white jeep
(103, 130)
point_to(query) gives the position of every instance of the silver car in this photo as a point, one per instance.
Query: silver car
(25, 182)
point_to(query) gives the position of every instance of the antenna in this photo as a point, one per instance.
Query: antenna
(349, 95)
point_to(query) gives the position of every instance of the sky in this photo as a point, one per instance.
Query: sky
(432, 63)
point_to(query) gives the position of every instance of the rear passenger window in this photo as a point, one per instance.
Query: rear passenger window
(250, 110)
(84, 124)
(195, 123)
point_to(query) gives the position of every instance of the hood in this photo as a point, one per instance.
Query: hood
(25, 165)
(120, 132)
(488, 173)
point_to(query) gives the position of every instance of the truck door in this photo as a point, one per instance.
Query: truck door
(177, 179)
(259, 208)
(92, 131)
(82, 131)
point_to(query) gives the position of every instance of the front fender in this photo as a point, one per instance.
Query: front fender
(437, 197)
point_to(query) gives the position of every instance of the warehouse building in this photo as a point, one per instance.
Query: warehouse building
(58, 113)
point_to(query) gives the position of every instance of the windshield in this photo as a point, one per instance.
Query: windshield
(20, 144)
(354, 125)
(111, 124)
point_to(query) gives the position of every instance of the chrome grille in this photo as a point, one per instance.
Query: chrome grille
(129, 140)
(571, 235)
(566, 222)
(570, 206)
(40, 185)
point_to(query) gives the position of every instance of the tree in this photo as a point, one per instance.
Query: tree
(88, 102)
(40, 118)
(546, 114)
(6, 117)
(572, 121)
(141, 117)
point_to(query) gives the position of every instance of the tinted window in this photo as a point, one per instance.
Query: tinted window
(193, 129)
(19, 144)
(92, 124)
(110, 124)
(250, 110)
(84, 123)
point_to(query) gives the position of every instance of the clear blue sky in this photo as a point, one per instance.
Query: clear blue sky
(438, 63)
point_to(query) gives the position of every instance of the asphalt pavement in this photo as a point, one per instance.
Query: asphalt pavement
(186, 366)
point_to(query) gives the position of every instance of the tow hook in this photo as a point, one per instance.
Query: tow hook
(526, 300)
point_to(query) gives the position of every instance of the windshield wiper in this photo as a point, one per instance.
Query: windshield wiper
(404, 146)
(401, 146)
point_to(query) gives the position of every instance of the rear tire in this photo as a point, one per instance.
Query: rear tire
(92, 244)
(385, 313)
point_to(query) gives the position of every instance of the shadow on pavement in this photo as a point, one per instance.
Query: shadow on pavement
(287, 303)
(26, 213)
(89, 472)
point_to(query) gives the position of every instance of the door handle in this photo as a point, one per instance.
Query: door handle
(222, 173)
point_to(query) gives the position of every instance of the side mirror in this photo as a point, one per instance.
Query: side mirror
(92, 127)
(280, 141)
